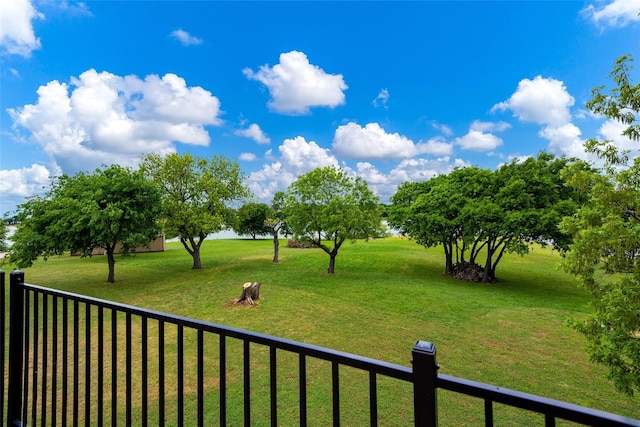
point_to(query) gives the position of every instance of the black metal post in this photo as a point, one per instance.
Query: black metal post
(16, 350)
(425, 376)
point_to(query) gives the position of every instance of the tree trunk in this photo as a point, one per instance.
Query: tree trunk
(111, 260)
(194, 250)
(276, 248)
(197, 263)
(448, 255)
(332, 263)
(487, 266)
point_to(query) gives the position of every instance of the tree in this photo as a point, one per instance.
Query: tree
(198, 194)
(430, 212)
(528, 202)
(605, 254)
(81, 213)
(251, 219)
(3, 236)
(276, 223)
(621, 104)
(474, 211)
(326, 207)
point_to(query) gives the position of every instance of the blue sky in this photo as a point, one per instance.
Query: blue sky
(390, 91)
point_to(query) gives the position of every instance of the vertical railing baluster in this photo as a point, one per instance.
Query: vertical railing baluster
(54, 357)
(488, 413)
(335, 392)
(223, 380)
(247, 383)
(180, 375)
(114, 367)
(76, 361)
(65, 360)
(425, 375)
(145, 373)
(128, 369)
(87, 366)
(27, 343)
(161, 414)
(303, 389)
(100, 390)
(16, 346)
(200, 377)
(45, 357)
(2, 341)
(373, 399)
(549, 420)
(36, 345)
(273, 372)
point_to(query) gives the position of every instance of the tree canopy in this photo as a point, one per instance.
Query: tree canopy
(474, 211)
(605, 254)
(250, 219)
(197, 194)
(326, 207)
(3, 236)
(81, 213)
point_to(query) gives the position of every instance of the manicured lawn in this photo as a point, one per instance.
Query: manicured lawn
(385, 295)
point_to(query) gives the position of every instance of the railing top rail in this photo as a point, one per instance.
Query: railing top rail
(348, 359)
(531, 402)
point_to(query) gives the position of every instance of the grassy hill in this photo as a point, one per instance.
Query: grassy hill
(385, 295)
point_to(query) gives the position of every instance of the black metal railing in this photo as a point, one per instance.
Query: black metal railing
(77, 360)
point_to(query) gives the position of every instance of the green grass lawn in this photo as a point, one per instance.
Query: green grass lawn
(385, 295)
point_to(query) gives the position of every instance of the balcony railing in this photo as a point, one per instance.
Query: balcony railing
(76, 360)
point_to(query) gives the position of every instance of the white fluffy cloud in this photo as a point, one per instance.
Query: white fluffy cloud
(185, 38)
(25, 181)
(437, 146)
(617, 13)
(254, 132)
(480, 138)
(564, 139)
(102, 118)
(248, 157)
(300, 156)
(478, 141)
(16, 30)
(353, 141)
(423, 169)
(296, 85)
(16, 184)
(547, 102)
(541, 100)
(297, 156)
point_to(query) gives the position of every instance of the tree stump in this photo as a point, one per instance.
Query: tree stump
(250, 292)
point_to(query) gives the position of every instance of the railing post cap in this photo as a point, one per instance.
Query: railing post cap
(17, 275)
(424, 347)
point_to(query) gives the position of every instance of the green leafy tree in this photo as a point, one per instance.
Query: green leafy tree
(250, 219)
(474, 211)
(326, 207)
(605, 254)
(276, 223)
(430, 212)
(81, 213)
(198, 196)
(3, 236)
(526, 205)
(622, 104)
